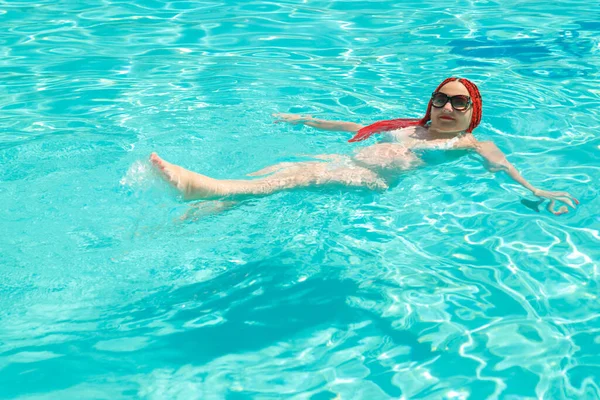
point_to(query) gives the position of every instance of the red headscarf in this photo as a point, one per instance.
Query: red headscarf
(392, 124)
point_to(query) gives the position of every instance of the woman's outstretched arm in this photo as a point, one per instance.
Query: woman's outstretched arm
(324, 125)
(496, 161)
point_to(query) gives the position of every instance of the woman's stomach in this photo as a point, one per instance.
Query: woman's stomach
(387, 157)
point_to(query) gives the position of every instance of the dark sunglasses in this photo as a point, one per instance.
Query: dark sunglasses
(459, 102)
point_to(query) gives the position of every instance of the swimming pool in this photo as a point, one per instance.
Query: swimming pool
(444, 286)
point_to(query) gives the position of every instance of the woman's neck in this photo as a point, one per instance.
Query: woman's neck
(433, 134)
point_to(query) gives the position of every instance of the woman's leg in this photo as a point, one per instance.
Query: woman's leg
(284, 165)
(271, 169)
(194, 186)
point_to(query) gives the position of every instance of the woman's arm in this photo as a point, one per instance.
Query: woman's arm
(321, 124)
(496, 161)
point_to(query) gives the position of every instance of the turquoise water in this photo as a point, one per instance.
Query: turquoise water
(444, 286)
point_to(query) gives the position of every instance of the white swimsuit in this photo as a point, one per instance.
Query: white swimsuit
(399, 136)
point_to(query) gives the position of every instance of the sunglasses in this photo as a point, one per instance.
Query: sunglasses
(459, 102)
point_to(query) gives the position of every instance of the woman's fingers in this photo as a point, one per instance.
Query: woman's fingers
(569, 196)
(293, 119)
(289, 118)
(550, 206)
(567, 201)
(561, 210)
(563, 197)
(573, 198)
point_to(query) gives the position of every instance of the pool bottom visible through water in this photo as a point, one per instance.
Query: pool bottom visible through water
(444, 286)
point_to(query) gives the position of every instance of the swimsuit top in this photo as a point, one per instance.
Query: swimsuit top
(430, 154)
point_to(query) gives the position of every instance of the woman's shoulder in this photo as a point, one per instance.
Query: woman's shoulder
(487, 147)
(468, 141)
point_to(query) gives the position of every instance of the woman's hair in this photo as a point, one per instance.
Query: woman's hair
(392, 124)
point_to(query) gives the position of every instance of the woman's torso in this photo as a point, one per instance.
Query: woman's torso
(409, 147)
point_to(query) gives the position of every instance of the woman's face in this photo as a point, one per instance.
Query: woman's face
(446, 119)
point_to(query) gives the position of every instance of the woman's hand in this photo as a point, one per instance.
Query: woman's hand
(293, 119)
(320, 124)
(563, 197)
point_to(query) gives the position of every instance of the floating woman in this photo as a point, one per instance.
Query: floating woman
(453, 112)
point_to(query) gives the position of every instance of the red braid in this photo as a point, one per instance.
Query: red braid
(389, 125)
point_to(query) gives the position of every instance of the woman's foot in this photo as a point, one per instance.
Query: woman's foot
(191, 185)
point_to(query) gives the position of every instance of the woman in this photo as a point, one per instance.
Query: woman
(453, 112)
